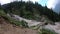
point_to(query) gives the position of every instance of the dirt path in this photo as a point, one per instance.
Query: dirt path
(6, 28)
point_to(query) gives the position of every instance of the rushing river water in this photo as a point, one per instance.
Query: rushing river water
(56, 27)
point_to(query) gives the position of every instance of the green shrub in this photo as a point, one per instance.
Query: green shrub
(2, 13)
(18, 23)
(47, 31)
(24, 24)
(13, 21)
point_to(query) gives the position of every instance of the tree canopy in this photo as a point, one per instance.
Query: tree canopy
(30, 10)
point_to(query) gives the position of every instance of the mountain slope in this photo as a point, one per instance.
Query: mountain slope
(17, 17)
(29, 10)
(7, 28)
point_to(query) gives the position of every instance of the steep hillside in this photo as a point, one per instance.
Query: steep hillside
(21, 17)
(7, 28)
(29, 10)
(10, 26)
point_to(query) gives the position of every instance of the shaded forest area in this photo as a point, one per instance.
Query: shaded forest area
(30, 10)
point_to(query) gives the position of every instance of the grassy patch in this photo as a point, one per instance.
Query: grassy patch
(47, 31)
(13, 21)
(2, 13)
(18, 23)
